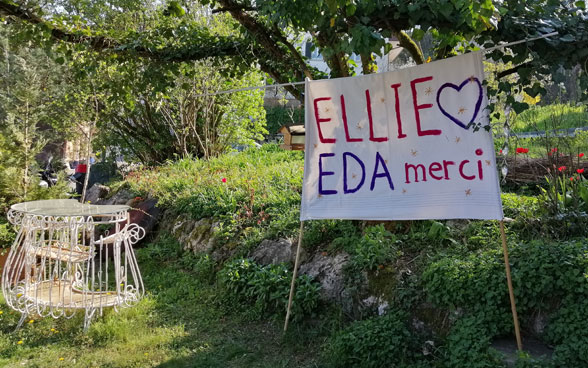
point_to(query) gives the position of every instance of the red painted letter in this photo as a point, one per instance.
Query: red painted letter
(466, 177)
(344, 116)
(319, 120)
(418, 107)
(435, 166)
(416, 173)
(369, 111)
(397, 108)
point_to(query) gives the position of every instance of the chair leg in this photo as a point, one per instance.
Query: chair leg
(88, 318)
(23, 317)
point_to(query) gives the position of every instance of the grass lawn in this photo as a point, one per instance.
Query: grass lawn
(183, 322)
(548, 118)
(556, 116)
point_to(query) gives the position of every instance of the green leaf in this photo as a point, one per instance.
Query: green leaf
(350, 9)
(519, 107)
(418, 34)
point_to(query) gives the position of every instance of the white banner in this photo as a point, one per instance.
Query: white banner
(410, 144)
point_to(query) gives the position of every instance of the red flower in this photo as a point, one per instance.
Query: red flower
(521, 150)
(500, 152)
(554, 149)
(580, 171)
(224, 180)
(572, 178)
(561, 168)
(580, 155)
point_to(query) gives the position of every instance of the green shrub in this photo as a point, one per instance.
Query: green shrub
(476, 283)
(376, 247)
(268, 288)
(341, 234)
(543, 275)
(568, 330)
(468, 345)
(7, 235)
(384, 341)
(277, 116)
(517, 206)
(165, 248)
(201, 265)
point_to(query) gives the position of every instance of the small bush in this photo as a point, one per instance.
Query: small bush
(382, 341)
(7, 235)
(568, 330)
(165, 248)
(341, 234)
(201, 264)
(468, 345)
(376, 247)
(268, 288)
(543, 275)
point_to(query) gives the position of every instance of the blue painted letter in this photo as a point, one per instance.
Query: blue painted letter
(345, 188)
(324, 173)
(385, 173)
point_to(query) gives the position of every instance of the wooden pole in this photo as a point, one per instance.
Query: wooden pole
(513, 306)
(292, 285)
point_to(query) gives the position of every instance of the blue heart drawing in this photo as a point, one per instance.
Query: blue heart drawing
(458, 88)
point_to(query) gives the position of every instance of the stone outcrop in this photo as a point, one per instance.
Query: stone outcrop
(194, 235)
(96, 192)
(274, 252)
(122, 196)
(328, 271)
(143, 212)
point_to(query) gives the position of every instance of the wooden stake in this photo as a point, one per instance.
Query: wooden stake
(292, 285)
(513, 306)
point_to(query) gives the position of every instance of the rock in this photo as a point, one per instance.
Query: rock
(123, 196)
(274, 252)
(195, 235)
(96, 192)
(375, 303)
(145, 214)
(328, 271)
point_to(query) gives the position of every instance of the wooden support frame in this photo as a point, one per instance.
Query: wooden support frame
(294, 274)
(513, 305)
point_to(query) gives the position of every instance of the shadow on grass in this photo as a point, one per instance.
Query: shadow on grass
(182, 322)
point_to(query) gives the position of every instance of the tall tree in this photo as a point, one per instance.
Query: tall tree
(27, 85)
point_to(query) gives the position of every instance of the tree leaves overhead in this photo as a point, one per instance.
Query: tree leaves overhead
(269, 30)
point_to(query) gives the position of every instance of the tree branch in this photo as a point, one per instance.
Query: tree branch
(224, 46)
(231, 8)
(405, 41)
(513, 70)
(294, 52)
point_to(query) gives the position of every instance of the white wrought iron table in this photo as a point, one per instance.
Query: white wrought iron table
(59, 263)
